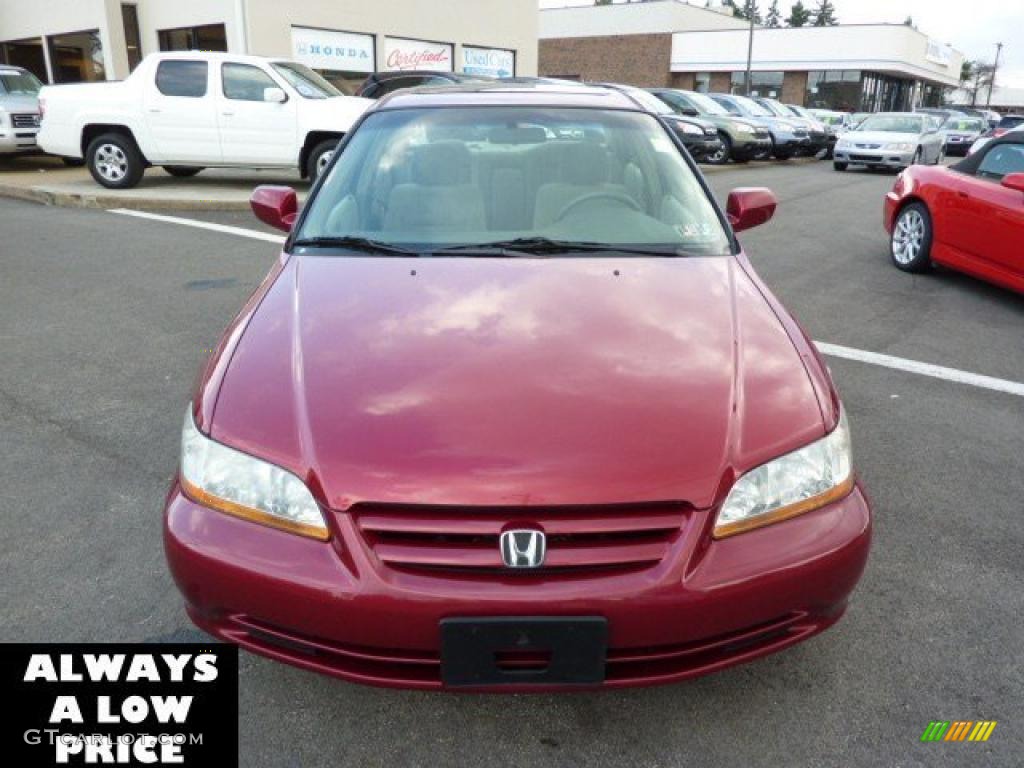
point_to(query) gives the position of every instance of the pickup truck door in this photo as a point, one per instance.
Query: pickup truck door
(181, 113)
(253, 130)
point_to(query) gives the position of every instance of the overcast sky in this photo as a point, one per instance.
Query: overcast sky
(973, 27)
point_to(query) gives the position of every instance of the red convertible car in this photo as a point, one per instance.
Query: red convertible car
(969, 216)
(513, 411)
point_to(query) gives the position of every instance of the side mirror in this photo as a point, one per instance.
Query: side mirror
(749, 207)
(276, 206)
(275, 95)
(1014, 181)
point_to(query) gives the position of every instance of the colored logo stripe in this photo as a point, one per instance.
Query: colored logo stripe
(958, 730)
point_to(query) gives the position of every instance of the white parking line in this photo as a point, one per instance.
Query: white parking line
(923, 369)
(833, 350)
(224, 228)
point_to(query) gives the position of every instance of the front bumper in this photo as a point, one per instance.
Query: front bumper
(747, 146)
(17, 140)
(334, 608)
(876, 158)
(956, 145)
(702, 147)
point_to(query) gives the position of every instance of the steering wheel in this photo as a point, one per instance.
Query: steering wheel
(618, 197)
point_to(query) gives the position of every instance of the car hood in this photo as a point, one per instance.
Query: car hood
(880, 137)
(19, 103)
(515, 381)
(337, 113)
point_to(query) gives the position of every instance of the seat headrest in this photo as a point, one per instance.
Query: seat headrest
(442, 164)
(584, 164)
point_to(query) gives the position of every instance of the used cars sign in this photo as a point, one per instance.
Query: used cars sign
(496, 62)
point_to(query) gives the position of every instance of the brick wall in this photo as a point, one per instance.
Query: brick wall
(686, 81)
(631, 59)
(721, 82)
(794, 87)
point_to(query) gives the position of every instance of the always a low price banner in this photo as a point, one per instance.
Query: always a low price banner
(120, 704)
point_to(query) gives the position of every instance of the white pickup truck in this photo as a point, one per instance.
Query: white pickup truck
(192, 110)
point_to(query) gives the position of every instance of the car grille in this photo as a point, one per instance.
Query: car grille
(25, 121)
(865, 158)
(868, 146)
(465, 539)
(799, 132)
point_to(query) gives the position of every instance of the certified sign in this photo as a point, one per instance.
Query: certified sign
(496, 62)
(324, 49)
(402, 53)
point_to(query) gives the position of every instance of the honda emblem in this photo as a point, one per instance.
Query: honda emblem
(523, 548)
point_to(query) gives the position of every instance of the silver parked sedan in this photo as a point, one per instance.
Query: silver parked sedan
(890, 140)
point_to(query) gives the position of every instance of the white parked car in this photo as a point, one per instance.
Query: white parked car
(890, 140)
(192, 110)
(19, 110)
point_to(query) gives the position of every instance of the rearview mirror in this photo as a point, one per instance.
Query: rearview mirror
(275, 206)
(689, 111)
(275, 95)
(749, 207)
(1014, 181)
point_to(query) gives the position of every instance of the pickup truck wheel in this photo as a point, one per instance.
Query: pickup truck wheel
(114, 161)
(320, 157)
(182, 171)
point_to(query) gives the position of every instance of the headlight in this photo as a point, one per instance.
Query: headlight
(742, 127)
(238, 484)
(900, 146)
(690, 128)
(842, 143)
(790, 485)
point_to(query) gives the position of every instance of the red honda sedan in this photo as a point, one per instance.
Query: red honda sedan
(969, 216)
(512, 411)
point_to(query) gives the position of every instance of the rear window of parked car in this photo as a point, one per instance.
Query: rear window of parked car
(182, 78)
(1001, 160)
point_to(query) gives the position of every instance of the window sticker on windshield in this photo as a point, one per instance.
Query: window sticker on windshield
(697, 232)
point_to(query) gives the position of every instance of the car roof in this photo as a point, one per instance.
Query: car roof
(12, 69)
(499, 94)
(220, 56)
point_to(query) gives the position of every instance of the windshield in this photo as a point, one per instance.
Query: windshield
(750, 106)
(775, 108)
(706, 103)
(304, 80)
(472, 176)
(964, 124)
(17, 83)
(894, 124)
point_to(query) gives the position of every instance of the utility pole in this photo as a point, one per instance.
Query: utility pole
(750, 50)
(995, 68)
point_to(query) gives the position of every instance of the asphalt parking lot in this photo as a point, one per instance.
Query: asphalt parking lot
(105, 318)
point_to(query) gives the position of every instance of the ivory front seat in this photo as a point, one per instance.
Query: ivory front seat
(441, 196)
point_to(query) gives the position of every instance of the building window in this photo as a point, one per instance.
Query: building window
(77, 57)
(132, 38)
(761, 84)
(27, 54)
(702, 82)
(209, 37)
(182, 78)
(834, 89)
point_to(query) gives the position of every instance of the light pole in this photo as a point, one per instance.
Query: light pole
(751, 6)
(995, 68)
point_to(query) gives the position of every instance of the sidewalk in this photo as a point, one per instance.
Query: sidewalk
(47, 180)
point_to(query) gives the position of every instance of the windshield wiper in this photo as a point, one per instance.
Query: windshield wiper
(541, 246)
(357, 244)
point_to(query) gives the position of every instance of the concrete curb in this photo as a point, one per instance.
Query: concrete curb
(63, 199)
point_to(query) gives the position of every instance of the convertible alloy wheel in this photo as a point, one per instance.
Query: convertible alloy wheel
(911, 242)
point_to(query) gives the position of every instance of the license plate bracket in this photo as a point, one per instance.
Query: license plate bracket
(574, 648)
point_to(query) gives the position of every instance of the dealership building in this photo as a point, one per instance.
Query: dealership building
(64, 41)
(858, 67)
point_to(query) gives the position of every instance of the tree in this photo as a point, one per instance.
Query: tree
(825, 14)
(798, 15)
(980, 78)
(745, 11)
(909, 22)
(774, 17)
